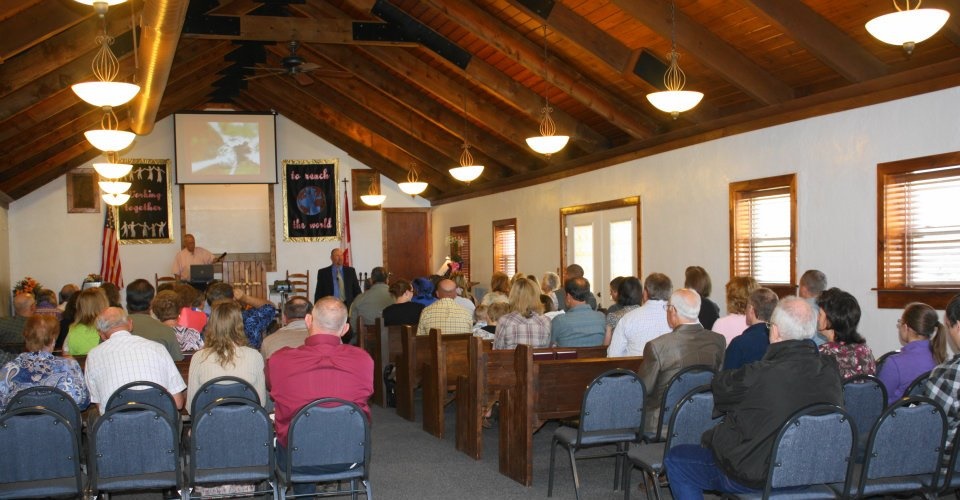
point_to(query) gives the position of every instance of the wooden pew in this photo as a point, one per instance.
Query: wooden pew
(544, 390)
(490, 371)
(413, 356)
(446, 362)
(368, 339)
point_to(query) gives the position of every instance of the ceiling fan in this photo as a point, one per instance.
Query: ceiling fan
(295, 66)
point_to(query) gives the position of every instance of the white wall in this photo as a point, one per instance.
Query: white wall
(685, 207)
(55, 247)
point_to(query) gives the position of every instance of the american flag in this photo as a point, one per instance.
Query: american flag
(345, 240)
(110, 261)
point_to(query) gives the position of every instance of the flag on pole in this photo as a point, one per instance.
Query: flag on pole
(110, 261)
(345, 239)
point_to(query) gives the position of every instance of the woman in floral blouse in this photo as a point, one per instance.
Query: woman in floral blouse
(838, 319)
(39, 366)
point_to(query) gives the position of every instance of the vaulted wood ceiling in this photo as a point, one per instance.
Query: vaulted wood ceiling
(415, 64)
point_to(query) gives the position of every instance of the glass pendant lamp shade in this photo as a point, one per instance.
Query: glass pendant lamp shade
(548, 144)
(106, 94)
(110, 140)
(675, 101)
(115, 199)
(112, 170)
(372, 199)
(466, 173)
(114, 187)
(94, 2)
(907, 27)
(412, 188)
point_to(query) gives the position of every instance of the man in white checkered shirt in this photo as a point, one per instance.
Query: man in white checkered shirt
(123, 358)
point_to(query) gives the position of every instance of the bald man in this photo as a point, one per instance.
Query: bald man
(190, 255)
(445, 314)
(11, 329)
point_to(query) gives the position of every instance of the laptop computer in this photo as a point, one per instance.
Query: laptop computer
(202, 273)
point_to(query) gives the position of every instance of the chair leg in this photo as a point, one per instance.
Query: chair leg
(618, 465)
(366, 486)
(573, 467)
(354, 488)
(553, 455)
(627, 466)
(657, 490)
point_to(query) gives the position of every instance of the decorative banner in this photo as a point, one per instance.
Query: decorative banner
(310, 200)
(146, 216)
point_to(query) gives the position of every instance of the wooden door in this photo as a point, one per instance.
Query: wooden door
(407, 248)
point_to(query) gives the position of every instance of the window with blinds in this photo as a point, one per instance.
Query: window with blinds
(919, 226)
(460, 247)
(763, 230)
(505, 246)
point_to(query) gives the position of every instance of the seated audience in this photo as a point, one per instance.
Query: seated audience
(226, 353)
(525, 323)
(573, 271)
(140, 294)
(258, 313)
(755, 401)
(83, 335)
(812, 284)
(614, 295)
(38, 366)
(924, 341)
(323, 367)
(735, 322)
(752, 344)
(47, 303)
(191, 307)
(11, 329)
(445, 314)
(944, 381)
(166, 308)
(369, 305)
(499, 289)
(404, 311)
(839, 316)
(550, 285)
(463, 298)
(68, 290)
(697, 278)
(123, 358)
(66, 320)
(294, 331)
(644, 323)
(423, 291)
(688, 344)
(580, 326)
(481, 322)
(113, 293)
(629, 297)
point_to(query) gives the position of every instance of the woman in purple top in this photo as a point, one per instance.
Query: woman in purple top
(924, 342)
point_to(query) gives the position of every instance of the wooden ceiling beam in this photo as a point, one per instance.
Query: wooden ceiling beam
(39, 23)
(824, 40)
(303, 29)
(507, 152)
(515, 46)
(235, 7)
(710, 50)
(952, 29)
(280, 98)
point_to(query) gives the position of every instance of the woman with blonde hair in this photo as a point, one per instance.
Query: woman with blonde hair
(82, 335)
(924, 341)
(738, 295)
(226, 352)
(525, 323)
(499, 288)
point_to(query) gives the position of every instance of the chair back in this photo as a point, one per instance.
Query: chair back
(160, 280)
(681, 383)
(612, 406)
(134, 446)
(691, 418)
(883, 359)
(144, 392)
(223, 387)
(864, 398)
(916, 387)
(231, 442)
(299, 283)
(816, 445)
(329, 439)
(50, 398)
(41, 457)
(908, 440)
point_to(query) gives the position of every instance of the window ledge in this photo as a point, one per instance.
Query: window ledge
(897, 298)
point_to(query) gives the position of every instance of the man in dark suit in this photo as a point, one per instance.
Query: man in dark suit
(688, 344)
(337, 280)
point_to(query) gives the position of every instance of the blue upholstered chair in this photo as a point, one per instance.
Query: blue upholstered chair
(223, 387)
(681, 383)
(864, 398)
(52, 399)
(41, 457)
(143, 392)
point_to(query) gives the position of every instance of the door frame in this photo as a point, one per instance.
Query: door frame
(597, 207)
(385, 213)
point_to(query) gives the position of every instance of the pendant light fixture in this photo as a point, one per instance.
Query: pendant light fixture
(413, 186)
(115, 199)
(547, 142)
(674, 100)
(908, 26)
(467, 171)
(108, 137)
(373, 196)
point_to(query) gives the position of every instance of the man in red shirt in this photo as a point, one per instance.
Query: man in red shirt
(323, 367)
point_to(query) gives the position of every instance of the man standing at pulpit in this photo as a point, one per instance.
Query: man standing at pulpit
(337, 280)
(190, 255)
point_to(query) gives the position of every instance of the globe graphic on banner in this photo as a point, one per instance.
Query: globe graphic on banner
(311, 201)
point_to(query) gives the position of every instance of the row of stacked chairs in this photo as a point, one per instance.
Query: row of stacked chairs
(140, 443)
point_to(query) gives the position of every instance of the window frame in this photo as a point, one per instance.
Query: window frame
(462, 232)
(899, 296)
(499, 225)
(737, 189)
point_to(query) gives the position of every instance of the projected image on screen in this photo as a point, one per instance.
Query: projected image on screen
(227, 148)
